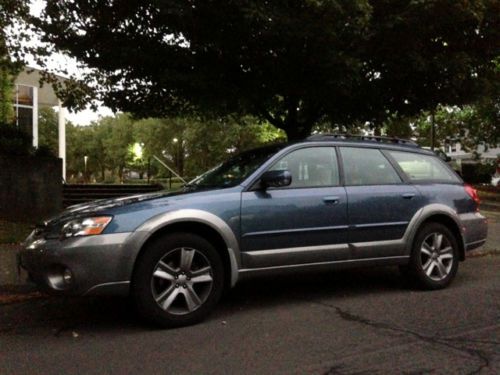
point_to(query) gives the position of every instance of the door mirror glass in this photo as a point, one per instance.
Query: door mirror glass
(276, 178)
(442, 155)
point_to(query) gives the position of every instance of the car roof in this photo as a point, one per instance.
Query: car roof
(392, 143)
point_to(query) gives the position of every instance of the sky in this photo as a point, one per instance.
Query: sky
(61, 61)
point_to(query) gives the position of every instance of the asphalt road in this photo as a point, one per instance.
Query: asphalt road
(349, 322)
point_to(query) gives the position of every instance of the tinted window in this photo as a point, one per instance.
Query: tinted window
(423, 167)
(235, 170)
(366, 166)
(310, 167)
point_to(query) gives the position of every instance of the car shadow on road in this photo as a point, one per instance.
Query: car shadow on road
(302, 288)
(67, 316)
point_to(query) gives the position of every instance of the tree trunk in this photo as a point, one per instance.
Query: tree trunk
(297, 132)
(149, 169)
(433, 131)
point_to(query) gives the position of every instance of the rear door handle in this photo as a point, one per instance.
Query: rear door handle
(331, 200)
(408, 195)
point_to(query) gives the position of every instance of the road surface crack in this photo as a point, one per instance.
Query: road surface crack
(484, 360)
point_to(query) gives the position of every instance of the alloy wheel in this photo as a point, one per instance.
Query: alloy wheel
(182, 281)
(436, 256)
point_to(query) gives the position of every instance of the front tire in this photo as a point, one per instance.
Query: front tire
(434, 258)
(178, 280)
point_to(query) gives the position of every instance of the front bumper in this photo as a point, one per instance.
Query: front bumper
(82, 265)
(475, 229)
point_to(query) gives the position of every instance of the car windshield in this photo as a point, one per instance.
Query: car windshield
(233, 171)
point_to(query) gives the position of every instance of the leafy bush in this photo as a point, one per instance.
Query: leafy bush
(477, 173)
(14, 141)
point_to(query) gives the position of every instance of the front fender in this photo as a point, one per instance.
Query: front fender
(142, 234)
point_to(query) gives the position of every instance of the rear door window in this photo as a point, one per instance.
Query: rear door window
(367, 166)
(420, 167)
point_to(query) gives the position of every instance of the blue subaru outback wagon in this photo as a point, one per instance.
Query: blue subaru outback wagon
(322, 203)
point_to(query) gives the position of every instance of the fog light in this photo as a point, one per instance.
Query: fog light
(67, 276)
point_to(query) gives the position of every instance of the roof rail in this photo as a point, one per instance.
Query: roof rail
(372, 138)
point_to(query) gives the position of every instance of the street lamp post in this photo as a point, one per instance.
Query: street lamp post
(85, 160)
(176, 155)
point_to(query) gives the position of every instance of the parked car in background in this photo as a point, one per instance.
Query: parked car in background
(326, 202)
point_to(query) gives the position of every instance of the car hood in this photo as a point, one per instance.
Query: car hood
(140, 202)
(84, 209)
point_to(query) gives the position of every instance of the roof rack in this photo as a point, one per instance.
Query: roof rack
(372, 138)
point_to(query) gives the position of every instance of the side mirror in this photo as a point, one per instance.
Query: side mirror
(276, 179)
(442, 155)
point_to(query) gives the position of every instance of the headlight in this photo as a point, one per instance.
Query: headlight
(86, 226)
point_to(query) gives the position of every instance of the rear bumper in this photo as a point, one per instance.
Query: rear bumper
(78, 266)
(475, 230)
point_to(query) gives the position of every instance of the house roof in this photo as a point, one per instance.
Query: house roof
(46, 95)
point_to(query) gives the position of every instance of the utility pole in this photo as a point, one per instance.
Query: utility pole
(433, 130)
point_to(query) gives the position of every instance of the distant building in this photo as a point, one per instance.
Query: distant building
(455, 151)
(29, 96)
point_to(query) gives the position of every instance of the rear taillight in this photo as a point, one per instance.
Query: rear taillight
(472, 193)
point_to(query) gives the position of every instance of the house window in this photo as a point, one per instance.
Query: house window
(24, 107)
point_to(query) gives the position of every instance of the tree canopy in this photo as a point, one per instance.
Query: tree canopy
(12, 46)
(105, 149)
(292, 63)
(10, 52)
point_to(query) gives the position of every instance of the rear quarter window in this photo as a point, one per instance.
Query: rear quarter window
(420, 167)
(366, 166)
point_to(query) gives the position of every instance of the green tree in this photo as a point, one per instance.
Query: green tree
(48, 129)
(10, 10)
(397, 126)
(87, 141)
(191, 145)
(117, 136)
(12, 44)
(152, 135)
(6, 96)
(468, 124)
(78, 145)
(293, 63)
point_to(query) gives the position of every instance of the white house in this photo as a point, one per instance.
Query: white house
(29, 96)
(454, 150)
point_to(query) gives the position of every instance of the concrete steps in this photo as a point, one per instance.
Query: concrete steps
(80, 193)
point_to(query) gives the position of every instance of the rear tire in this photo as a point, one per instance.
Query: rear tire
(178, 280)
(434, 258)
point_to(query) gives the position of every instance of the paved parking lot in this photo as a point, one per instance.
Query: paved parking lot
(349, 322)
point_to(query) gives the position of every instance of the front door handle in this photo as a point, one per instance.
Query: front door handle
(331, 200)
(408, 195)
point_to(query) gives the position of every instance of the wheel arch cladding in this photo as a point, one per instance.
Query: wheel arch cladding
(452, 225)
(200, 229)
